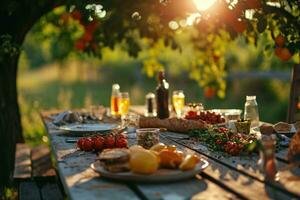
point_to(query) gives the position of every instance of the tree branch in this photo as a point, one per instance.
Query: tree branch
(280, 11)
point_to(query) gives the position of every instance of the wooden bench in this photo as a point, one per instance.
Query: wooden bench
(34, 174)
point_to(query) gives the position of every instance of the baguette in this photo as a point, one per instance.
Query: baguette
(172, 124)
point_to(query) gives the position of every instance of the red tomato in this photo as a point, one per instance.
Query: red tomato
(80, 143)
(121, 136)
(87, 144)
(98, 143)
(218, 142)
(110, 141)
(121, 143)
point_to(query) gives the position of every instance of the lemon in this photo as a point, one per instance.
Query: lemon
(143, 162)
(158, 147)
(135, 148)
(189, 162)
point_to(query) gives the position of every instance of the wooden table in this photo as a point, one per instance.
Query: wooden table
(226, 177)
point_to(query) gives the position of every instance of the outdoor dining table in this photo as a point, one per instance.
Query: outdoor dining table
(226, 177)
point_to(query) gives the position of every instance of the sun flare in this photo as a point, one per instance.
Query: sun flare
(203, 4)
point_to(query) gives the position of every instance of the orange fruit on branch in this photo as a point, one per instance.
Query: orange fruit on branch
(239, 26)
(87, 37)
(80, 44)
(285, 54)
(76, 15)
(253, 4)
(279, 40)
(278, 51)
(209, 92)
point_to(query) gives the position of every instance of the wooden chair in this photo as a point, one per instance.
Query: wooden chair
(34, 175)
(294, 95)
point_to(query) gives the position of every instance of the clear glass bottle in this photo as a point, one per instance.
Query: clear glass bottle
(267, 162)
(114, 101)
(251, 111)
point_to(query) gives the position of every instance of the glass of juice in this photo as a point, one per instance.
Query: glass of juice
(114, 104)
(123, 103)
(178, 102)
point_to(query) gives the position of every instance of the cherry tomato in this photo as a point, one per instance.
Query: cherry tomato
(110, 141)
(218, 142)
(87, 144)
(98, 143)
(121, 143)
(80, 143)
(121, 136)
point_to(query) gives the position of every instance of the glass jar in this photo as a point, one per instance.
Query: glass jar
(147, 137)
(251, 111)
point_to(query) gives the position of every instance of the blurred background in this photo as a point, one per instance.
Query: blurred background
(50, 76)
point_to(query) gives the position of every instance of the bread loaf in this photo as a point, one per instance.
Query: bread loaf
(172, 124)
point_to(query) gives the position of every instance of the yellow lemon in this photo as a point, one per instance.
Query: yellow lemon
(143, 162)
(189, 162)
(158, 147)
(135, 148)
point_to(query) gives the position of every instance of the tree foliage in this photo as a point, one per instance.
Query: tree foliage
(87, 27)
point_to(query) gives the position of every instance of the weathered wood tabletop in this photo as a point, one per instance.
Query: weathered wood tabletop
(226, 177)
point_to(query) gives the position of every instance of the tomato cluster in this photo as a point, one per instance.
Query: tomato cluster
(208, 117)
(231, 143)
(233, 148)
(99, 143)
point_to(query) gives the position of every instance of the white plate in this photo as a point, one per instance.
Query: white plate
(161, 175)
(293, 130)
(224, 111)
(87, 128)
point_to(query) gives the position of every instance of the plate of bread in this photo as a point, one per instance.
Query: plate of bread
(283, 127)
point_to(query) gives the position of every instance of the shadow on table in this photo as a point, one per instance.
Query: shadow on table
(277, 194)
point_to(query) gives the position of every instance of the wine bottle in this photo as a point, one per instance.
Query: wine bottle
(162, 96)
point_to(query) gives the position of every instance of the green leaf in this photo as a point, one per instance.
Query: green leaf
(262, 25)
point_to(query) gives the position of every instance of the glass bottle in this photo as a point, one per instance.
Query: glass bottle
(150, 105)
(267, 162)
(162, 96)
(251, 111)
(114, 104)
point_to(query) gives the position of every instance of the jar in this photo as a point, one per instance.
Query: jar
(147, 137)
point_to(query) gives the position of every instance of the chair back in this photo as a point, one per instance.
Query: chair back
(294, 103)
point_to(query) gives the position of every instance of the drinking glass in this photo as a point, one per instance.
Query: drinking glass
(124, 103)
(178, 102)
